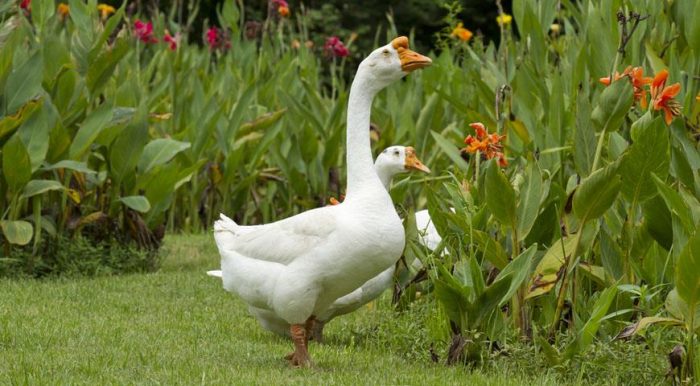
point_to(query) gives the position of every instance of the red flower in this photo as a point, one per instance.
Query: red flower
(334, 47)
(487, 144)
(26, 5)
(171, 40)
(662, 97)
(144, 31)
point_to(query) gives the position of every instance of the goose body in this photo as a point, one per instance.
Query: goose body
(297, 267)
(393, 160)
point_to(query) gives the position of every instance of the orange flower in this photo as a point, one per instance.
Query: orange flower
(487, 144)
(662, 96)
(63, 9)
(462, 33)
(636, 76)
(105, 10)
(283, 11)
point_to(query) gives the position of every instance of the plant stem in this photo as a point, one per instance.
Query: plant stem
(561, 297)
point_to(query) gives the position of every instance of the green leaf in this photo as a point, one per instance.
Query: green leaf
(126, 150)
(70, 164)
(596, 193)
(642, 324)
(614, 103)
(24, 83)
(688, 272)
(584, 138)
(675, 204)
(35, 135)
(548, 270)
(35, 187)
(89, 130)
(16, 163)
(17, 232)
(158, 152)
(450, 150)
(9, 123)
(648, 154)
(101, 70)
(529, 200)
(500, 197)
(137, 203)
(519, 270)
(678, 308)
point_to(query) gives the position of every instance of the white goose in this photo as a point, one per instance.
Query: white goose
(393, 160)
(297, 267)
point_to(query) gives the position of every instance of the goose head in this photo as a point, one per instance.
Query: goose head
(390, 63)
(398, 159)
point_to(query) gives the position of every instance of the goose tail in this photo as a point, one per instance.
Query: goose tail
(216, 273)
(225, 224)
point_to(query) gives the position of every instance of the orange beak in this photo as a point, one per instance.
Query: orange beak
(412, 162)
(410, 60)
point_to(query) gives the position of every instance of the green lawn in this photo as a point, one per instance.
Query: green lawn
(178, 326)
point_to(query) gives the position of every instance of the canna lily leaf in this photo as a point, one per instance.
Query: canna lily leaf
(158, 152)
(17, 232)
(14, 153)
(642, 324)
(137, 203)
(10, 122)
(613, 105)
(35, 187)
(688, 272)
(500, 196)
(596, 193)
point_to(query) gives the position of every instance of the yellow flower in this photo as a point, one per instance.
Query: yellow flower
(63, 9)
(504, 19)
(105, 10)
(462, 33)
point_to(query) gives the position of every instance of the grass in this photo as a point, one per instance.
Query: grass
(177, 326)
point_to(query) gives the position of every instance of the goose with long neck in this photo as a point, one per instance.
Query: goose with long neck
(297, 267)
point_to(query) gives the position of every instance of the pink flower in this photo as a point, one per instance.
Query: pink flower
(334, 47)
(144, 31)
(171, 40)
(280, 3)
(217, 39)
(213, 37)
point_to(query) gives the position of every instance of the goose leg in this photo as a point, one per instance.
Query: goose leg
(300, 356)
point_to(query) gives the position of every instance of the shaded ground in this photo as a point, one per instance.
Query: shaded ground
(178, 326)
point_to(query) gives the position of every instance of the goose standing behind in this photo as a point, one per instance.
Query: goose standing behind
(393, 160)
(297, 267)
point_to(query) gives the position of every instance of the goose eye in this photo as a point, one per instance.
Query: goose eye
(396, 152)
(385, 52)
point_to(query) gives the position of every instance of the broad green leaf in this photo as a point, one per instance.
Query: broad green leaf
(9, 123)
(529, 201)
(688, 272)
(596, 193)
(89, 130)
(548, 270)
(678, 308)
(35, 187)
(125, 151)
(675, 204)
(100, 71)
(584, 138)
(17, 232)
(137, 203)
(17, 167)
(500, 197)
(657, 220)
(260, 123)
(449, 148)
(648, 154)
(70, 164)
(24, 83)
(34, 133)
(613, 105)
(642, 324)
(692, 29)
(519, 270)
(158, 152)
